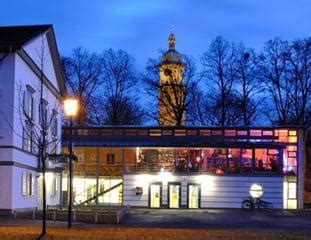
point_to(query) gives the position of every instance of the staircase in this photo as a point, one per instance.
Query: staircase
(99, 194)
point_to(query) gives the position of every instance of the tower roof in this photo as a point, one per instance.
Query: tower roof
(172, 56)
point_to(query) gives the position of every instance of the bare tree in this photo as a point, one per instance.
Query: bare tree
(174, 96)
(274, 68)
(119, 96)
(40, 135)
(247, 84)
(83, 71)
(220, 73)
(299, 75)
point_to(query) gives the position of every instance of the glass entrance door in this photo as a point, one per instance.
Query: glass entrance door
(155, 196)
(174, 195)
(193, 196)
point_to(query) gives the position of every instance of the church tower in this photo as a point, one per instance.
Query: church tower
(171, 91)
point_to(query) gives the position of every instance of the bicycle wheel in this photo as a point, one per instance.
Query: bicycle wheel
(247, 205)
(265, 205)
(269, 207)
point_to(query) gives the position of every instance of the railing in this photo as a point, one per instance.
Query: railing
(219, 168)
(99, 194)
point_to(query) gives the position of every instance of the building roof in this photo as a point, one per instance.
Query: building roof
(125, 136)
(12, 38)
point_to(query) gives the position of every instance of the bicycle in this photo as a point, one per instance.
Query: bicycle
(251, 204)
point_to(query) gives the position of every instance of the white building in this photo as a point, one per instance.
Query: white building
(27, 55)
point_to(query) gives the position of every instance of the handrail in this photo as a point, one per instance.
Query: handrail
(99, 194)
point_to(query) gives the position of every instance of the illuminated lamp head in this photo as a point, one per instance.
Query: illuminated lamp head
(256, 191)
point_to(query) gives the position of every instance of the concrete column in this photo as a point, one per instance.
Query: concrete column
(301, 162)
(97, 175)
(123, 161)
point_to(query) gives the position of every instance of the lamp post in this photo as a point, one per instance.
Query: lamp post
(71, 110)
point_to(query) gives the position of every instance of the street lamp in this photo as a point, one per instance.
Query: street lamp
(71, 110)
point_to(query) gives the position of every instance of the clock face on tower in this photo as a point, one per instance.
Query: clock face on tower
(167, 72)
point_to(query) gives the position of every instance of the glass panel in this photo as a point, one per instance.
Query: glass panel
(230, 132)
(267, 160)
(214, 160)
(246, 161)
(192, 132)
(180, 132)
(181, 160)
(217, 132)
(267, 133)
(292, 204)
(155, 195)
(167, 132)
(155, 132)
(292, 139)
(174, 191)
(242, 133)
(282, 135)
(195, 161)
(130, 132)
(291, 190)
(256, 133)
(234, 156)
(205, 132)
(193, 196)
(292, 133)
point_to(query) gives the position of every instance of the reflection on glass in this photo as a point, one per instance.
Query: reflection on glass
(214, 160)
(246, 161)
(234, 156)
(267, 160)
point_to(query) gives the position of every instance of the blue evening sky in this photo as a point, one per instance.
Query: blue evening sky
(142, 27)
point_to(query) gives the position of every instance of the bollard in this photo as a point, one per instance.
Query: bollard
(96, 216)
(74, 215)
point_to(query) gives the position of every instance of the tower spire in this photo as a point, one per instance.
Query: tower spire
(171, 39)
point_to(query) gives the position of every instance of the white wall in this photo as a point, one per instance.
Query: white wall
(18, 200)
(6, 99)
(216, 191)
(23, 76)
(6, 187)
(15, 76)
(38, 47)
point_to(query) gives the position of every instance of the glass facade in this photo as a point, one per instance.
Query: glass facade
(210, 160)
(238, 152)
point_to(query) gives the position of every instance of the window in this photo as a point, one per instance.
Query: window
(27, 183)
(230, 132)
(255, 133)
(267, 160)
(54, 123)
(53, 146)
(43, 112)
(54, 187)
(234, 160)
(110, 158)
(214, 160)
(28, 102)
(27, 139)
(246, 160)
